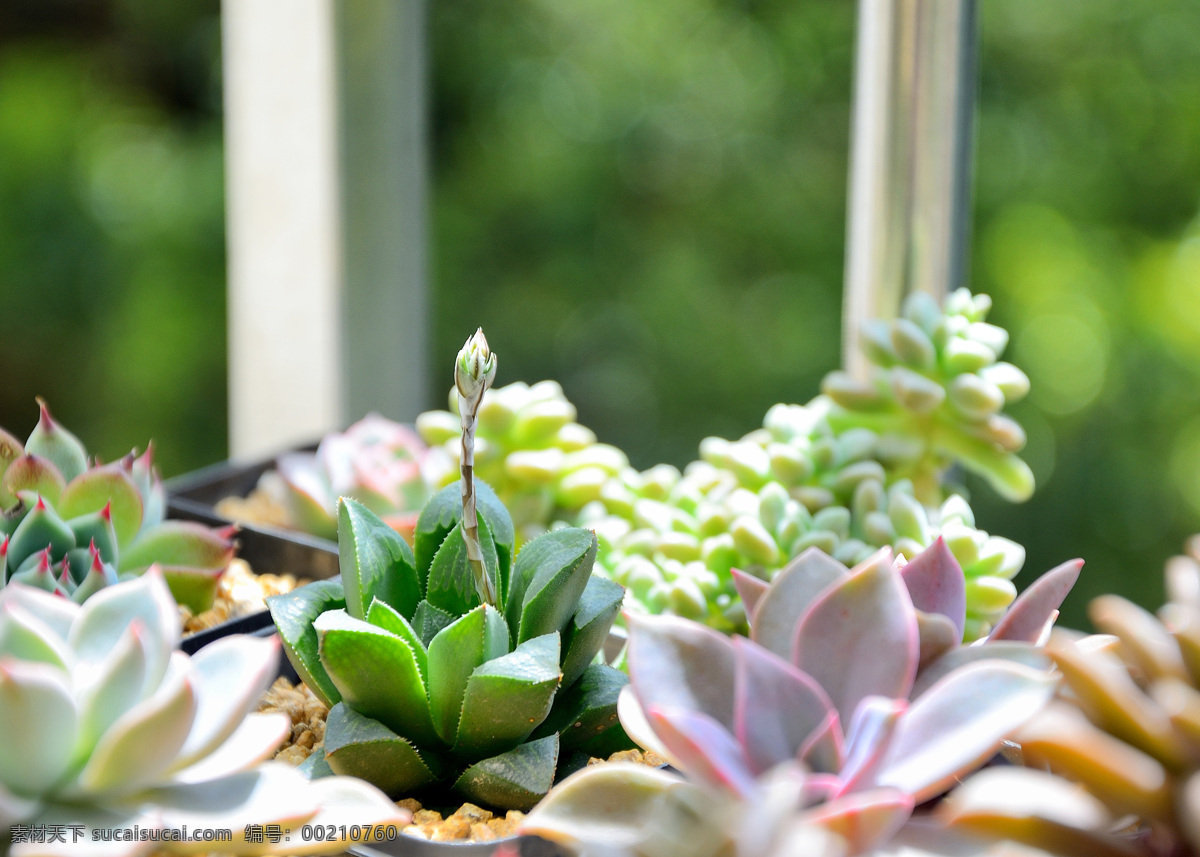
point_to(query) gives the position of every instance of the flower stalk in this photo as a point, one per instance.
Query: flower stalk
(474, 371)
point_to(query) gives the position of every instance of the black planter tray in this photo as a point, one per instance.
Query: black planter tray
(267, 549)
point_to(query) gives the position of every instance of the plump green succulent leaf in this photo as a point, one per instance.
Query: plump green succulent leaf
(508, 697)
(472, 640)
(40, 719)
(31, 473)
(293, 614)
(10, 450)
(947, 732)
(793, 590)
(99, 486)
(517, 779)
(586, 709)
(143, 742)
(375, 562)
(357, 746)
(376, 674)
(444, 510)
(777, 708)
(451, 584)
(51, 441)
(184, 544)
(550, 575)
(191, 587)
(96, 528)
(437, 519)
(385, 616)
(675, 663)
(104, 618)
(1036, 606)
(588, 629)
(41, 527)
(429, 620)
(867, 620)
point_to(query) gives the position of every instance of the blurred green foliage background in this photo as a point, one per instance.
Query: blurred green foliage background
(646, 201)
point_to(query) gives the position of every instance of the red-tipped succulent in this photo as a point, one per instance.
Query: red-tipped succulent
(73, 527)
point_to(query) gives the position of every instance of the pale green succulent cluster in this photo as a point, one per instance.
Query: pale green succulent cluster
(859, 468)
(543, 465)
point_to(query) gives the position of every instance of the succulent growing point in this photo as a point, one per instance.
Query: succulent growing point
(458, 662)
(1123, 741)
(107, 726)
(376, 461)
(71, 528)
(833, 696)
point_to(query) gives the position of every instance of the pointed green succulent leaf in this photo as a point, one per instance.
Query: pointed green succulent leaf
(41, 528)
(444, 511)
(454, 653)
(24, 636)
(90, 491)
(96, 527)
(517, 779)
(586, 709)
(376, 673)
(585, 634)
(451, 584)
(357, 746)
(293, 614)
(31, 473)
(40, 719)
(194, 588)
(375, 562)
(51, 441)
(550, 575)
(508, 697)
(385, 616)
(182, 544)
(428, 620)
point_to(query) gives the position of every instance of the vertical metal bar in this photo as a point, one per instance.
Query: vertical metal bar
(282, 226)
(910, 166)
(382, 93)
(326, 175)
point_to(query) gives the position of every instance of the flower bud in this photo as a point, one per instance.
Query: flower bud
(475, 368)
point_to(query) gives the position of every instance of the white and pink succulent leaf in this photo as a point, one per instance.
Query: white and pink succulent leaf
(106, 726)
(376, 461)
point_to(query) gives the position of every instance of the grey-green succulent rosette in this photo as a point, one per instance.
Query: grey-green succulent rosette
(73, 526)
(863, 466)
(460, 663)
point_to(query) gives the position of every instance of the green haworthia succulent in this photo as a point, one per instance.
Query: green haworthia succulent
(73, 527)
(429, 685)
(543, 465)
(458, 662)
(108, 728)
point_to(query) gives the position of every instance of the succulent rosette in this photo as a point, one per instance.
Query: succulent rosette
(108, 727)
(376, 461)
(841, 711)
(73, 527)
